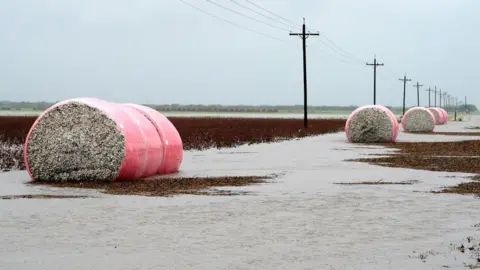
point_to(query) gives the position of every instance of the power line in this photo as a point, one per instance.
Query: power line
(332, 56)
(246, 16)
(338, 49)
(261, 14)
(274, 14)
(231, 23)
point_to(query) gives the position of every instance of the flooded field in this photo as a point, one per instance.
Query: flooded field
(301, 220)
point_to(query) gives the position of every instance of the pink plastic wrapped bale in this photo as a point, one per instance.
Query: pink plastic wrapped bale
(172, 154)
(88, 139)
(437, 113)
(371, 124)
(418, 119)
(445, 114)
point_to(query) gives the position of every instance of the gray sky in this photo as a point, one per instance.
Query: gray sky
(163, 51)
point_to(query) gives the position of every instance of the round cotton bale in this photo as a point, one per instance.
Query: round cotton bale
(371, 124)
(418, 119)
(445, 115)
(442, 115)
(88, 139)
(172, 154)
(437, 114)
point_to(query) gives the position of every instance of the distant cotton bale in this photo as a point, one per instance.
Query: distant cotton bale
(418, 119)
(437, 114)
(445, 115)
(371, 124)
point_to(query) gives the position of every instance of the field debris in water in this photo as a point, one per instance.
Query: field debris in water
(166, 186)
(451, 133)
(379, 182)
(466, 188)
(469, 247)
(459, 156)
(42, 196)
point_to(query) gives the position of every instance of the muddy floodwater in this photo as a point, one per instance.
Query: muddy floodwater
(301, 220)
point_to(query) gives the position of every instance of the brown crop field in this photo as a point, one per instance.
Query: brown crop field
(197, 133)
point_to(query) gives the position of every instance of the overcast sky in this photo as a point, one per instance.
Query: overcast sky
(164, 51)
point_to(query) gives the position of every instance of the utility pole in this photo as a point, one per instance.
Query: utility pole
(435, 92)
(405, 80)
(429, 94)
(375, 65)
(465, 104)
(304, 35)
(440, 98)
(445, 103)
(418, 93)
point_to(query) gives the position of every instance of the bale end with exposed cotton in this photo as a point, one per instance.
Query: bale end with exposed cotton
(89, 139)
(371, 124)
(74, 141)
(418, 119)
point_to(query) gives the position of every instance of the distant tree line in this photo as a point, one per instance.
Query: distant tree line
(40, 106)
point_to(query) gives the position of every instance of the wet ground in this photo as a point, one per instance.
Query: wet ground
(301, 221)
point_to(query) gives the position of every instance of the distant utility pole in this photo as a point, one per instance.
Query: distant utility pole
(465, 103)
(440, 98)
(429, 94)
(435, 92)
(418, 92)
(304, 35)
(444, 96)
(375, 65)
(405, 80)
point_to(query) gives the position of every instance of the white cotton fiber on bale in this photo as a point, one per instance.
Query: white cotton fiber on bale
(437, 114)
(10, 156)
(88, 139)
(418, 119)
(371, 124)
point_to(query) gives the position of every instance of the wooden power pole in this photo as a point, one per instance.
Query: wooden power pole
(440, 98)
(418, 92)
(429, 90)
(405, 80)
(375, 65)
(304, 35)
